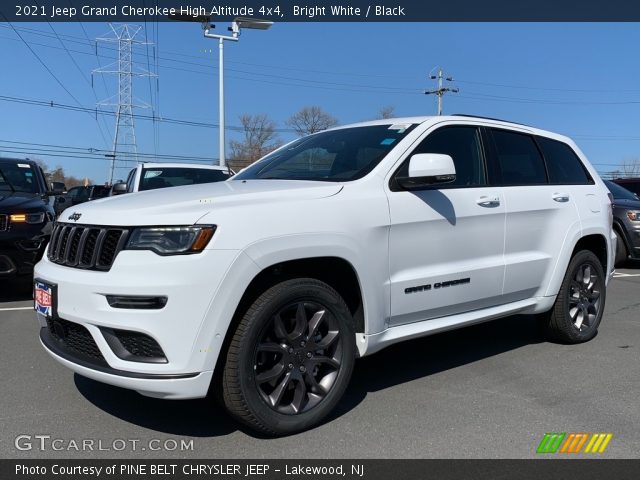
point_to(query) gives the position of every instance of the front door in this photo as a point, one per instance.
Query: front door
(446, 242)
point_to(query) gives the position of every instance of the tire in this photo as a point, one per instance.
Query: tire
(290, 358)
(621, 250)
(577, 311)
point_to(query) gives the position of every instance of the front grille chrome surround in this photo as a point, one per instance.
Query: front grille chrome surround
(88, 247)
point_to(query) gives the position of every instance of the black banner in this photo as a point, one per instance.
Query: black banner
(547, 469)
(321, 10)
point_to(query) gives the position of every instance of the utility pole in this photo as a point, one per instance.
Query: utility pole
(441, 90)
(124, 137)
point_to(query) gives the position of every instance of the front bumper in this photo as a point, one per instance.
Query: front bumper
(19, 254)
(189, 328)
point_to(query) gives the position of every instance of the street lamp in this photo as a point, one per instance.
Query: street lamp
(236, 26)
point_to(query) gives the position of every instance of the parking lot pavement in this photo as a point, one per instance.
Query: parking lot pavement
(488, 391)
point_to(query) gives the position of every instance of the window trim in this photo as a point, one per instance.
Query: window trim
(394, 187)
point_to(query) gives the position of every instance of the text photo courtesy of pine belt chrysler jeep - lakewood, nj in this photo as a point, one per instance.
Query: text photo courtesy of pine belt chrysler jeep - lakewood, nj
(262, 290)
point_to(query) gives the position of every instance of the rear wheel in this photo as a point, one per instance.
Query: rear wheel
(578, 309)
(621, 250)
(290, 358)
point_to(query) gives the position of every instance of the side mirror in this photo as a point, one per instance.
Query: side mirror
(119, 189)
(60, 200)
(427, 169)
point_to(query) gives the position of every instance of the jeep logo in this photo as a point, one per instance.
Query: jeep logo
(75, 216)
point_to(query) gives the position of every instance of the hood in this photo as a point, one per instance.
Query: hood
(624, 203)
(12, 202)
(185, 205)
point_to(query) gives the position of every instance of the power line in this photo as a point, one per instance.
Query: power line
(83, 76)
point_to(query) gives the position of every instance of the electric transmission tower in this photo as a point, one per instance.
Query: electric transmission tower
(441, 90)
(124, 137)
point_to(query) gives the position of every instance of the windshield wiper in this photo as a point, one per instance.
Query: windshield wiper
(6, 180)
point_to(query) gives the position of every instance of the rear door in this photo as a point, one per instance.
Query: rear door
(446, 242)
(539, 214)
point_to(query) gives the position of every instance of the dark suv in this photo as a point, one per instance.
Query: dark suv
(78, 195)
(26, 216)
(626, 221)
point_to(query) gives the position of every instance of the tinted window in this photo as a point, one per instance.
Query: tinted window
(18, 177)
(332, 156)
(618, 192)
(518, 159)
(633, 186)
(563, 164)
(463, 145)
(159, 177)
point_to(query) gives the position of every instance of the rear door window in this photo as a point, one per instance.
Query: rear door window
(519, 160)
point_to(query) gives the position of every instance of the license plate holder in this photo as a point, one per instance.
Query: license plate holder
(45, 298)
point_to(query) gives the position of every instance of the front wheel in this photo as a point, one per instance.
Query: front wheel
(290, 358)
(578, 308)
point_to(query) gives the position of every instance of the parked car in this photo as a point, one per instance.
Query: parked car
(626, 221)
(26, 216)
(80, 194)
(630, 183)
(265, 288)
(150, 176)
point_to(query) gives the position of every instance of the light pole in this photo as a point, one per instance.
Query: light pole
(236, 26)
(235, 29)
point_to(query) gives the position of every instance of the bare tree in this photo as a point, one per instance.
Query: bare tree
(260, 138)
(388, 111)
(631, 167)
(311, 120)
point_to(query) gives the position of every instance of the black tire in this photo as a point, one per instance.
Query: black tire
(290, 359)
(577, 311)
(621, 250)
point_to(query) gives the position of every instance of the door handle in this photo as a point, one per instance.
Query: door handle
(560, 197)
(489, 202)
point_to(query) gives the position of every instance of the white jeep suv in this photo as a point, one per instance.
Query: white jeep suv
(266, 287)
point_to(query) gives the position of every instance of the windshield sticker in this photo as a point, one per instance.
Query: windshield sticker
(387, 141)
(400, 127)
(152, 173)
(24, 165)
(28, 174)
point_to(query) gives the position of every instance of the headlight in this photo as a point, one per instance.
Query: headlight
(633, 215)
(171, 240)
(27, 217)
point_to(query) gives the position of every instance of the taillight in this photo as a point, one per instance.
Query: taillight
(609, 194)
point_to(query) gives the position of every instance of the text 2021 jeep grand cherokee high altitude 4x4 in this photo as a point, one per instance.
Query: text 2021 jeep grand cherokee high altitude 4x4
(266, 287)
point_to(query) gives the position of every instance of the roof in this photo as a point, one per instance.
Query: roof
(182, 165)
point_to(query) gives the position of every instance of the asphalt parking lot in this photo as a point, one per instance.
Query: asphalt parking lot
(489, 391)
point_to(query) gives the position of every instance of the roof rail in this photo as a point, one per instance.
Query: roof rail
(488, 118)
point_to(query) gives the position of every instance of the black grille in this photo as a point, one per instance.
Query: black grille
(138, 344)
(75, 340)
(3, 223)
(86, 246)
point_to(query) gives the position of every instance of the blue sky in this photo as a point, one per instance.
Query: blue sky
(582, 80)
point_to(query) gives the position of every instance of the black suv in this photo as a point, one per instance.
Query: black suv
(626, 221)
(26, 216)
(77, 195)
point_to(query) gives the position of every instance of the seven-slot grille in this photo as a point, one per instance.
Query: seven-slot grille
(86, 246)
(4, 222)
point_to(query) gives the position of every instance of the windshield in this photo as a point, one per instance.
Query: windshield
(620, 193)
(160, 177)
(18, 177)
(333, 156)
